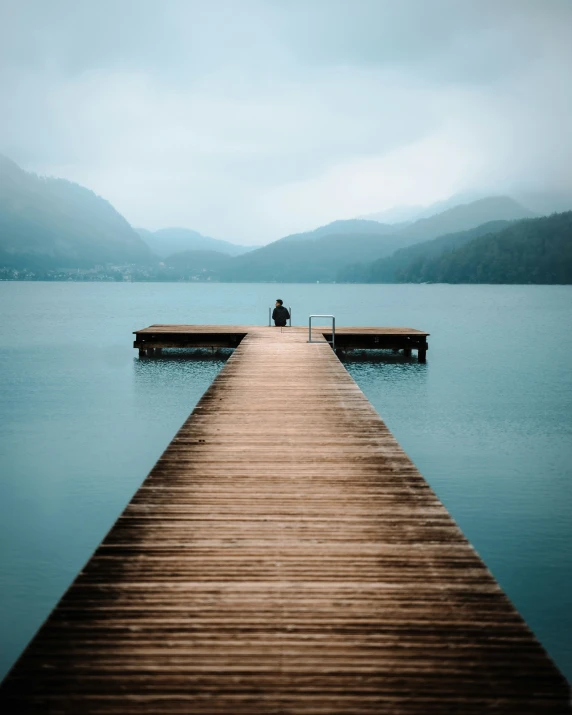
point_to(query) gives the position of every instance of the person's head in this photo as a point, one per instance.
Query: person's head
(279, 303)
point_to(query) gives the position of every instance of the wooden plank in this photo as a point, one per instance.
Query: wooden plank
(284, 556)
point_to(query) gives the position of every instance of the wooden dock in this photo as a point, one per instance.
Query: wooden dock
(284, 556)
(156, 337)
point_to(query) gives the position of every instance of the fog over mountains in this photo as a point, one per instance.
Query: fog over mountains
(54, 223)
(167, 241)
(49, 227)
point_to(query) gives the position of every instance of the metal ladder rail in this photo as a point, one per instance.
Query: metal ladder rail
(332, 342)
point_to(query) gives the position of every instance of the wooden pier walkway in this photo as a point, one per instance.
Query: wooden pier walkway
(157, 337)
(284, 556)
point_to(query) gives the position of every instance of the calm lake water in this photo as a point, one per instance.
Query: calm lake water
(487, 420)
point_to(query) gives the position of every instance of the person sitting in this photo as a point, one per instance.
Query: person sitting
(280, 314)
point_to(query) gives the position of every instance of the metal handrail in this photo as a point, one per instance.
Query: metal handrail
(333, 340)
(270, 317)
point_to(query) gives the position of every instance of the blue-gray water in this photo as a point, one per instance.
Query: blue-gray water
(488, 421)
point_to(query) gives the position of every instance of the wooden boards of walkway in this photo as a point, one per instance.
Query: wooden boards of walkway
(284, 556)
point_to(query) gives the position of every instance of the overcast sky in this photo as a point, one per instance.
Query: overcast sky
(249, 120)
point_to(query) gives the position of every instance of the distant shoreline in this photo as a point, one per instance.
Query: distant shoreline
(218, 282)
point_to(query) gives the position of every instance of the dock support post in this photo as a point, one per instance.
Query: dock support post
(422, 355)
(407, 352)
(141, 352)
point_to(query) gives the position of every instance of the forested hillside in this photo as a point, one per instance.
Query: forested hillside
(48, 223)
(532, 251)
(393, 268)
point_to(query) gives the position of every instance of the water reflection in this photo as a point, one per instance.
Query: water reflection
(378, 372)
(380, 357)
(176, 379)
(187, 354)
(180, 366)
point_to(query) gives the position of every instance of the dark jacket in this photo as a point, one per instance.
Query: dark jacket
(280, 315)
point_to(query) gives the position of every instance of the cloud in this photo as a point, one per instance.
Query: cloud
(255, 119)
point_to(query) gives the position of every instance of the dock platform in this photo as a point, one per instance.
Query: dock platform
(284, 556)
(156, 337)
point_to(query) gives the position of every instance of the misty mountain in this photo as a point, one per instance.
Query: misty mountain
(347, 226)
(168, 241)
(46, 222)
(461, 199)
(546, 203)
(409, 214)
(463, 218)
(320, 255)
(50, 223)
(402, 262)
(396, 214)
(314, 256)
(536, 250)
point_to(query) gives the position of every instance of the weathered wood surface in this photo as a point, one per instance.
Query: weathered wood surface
(232, 329)
(284, 556)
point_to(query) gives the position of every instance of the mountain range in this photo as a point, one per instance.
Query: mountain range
(49, 225)
(410, 213)
(537, 250)
(320, 255)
